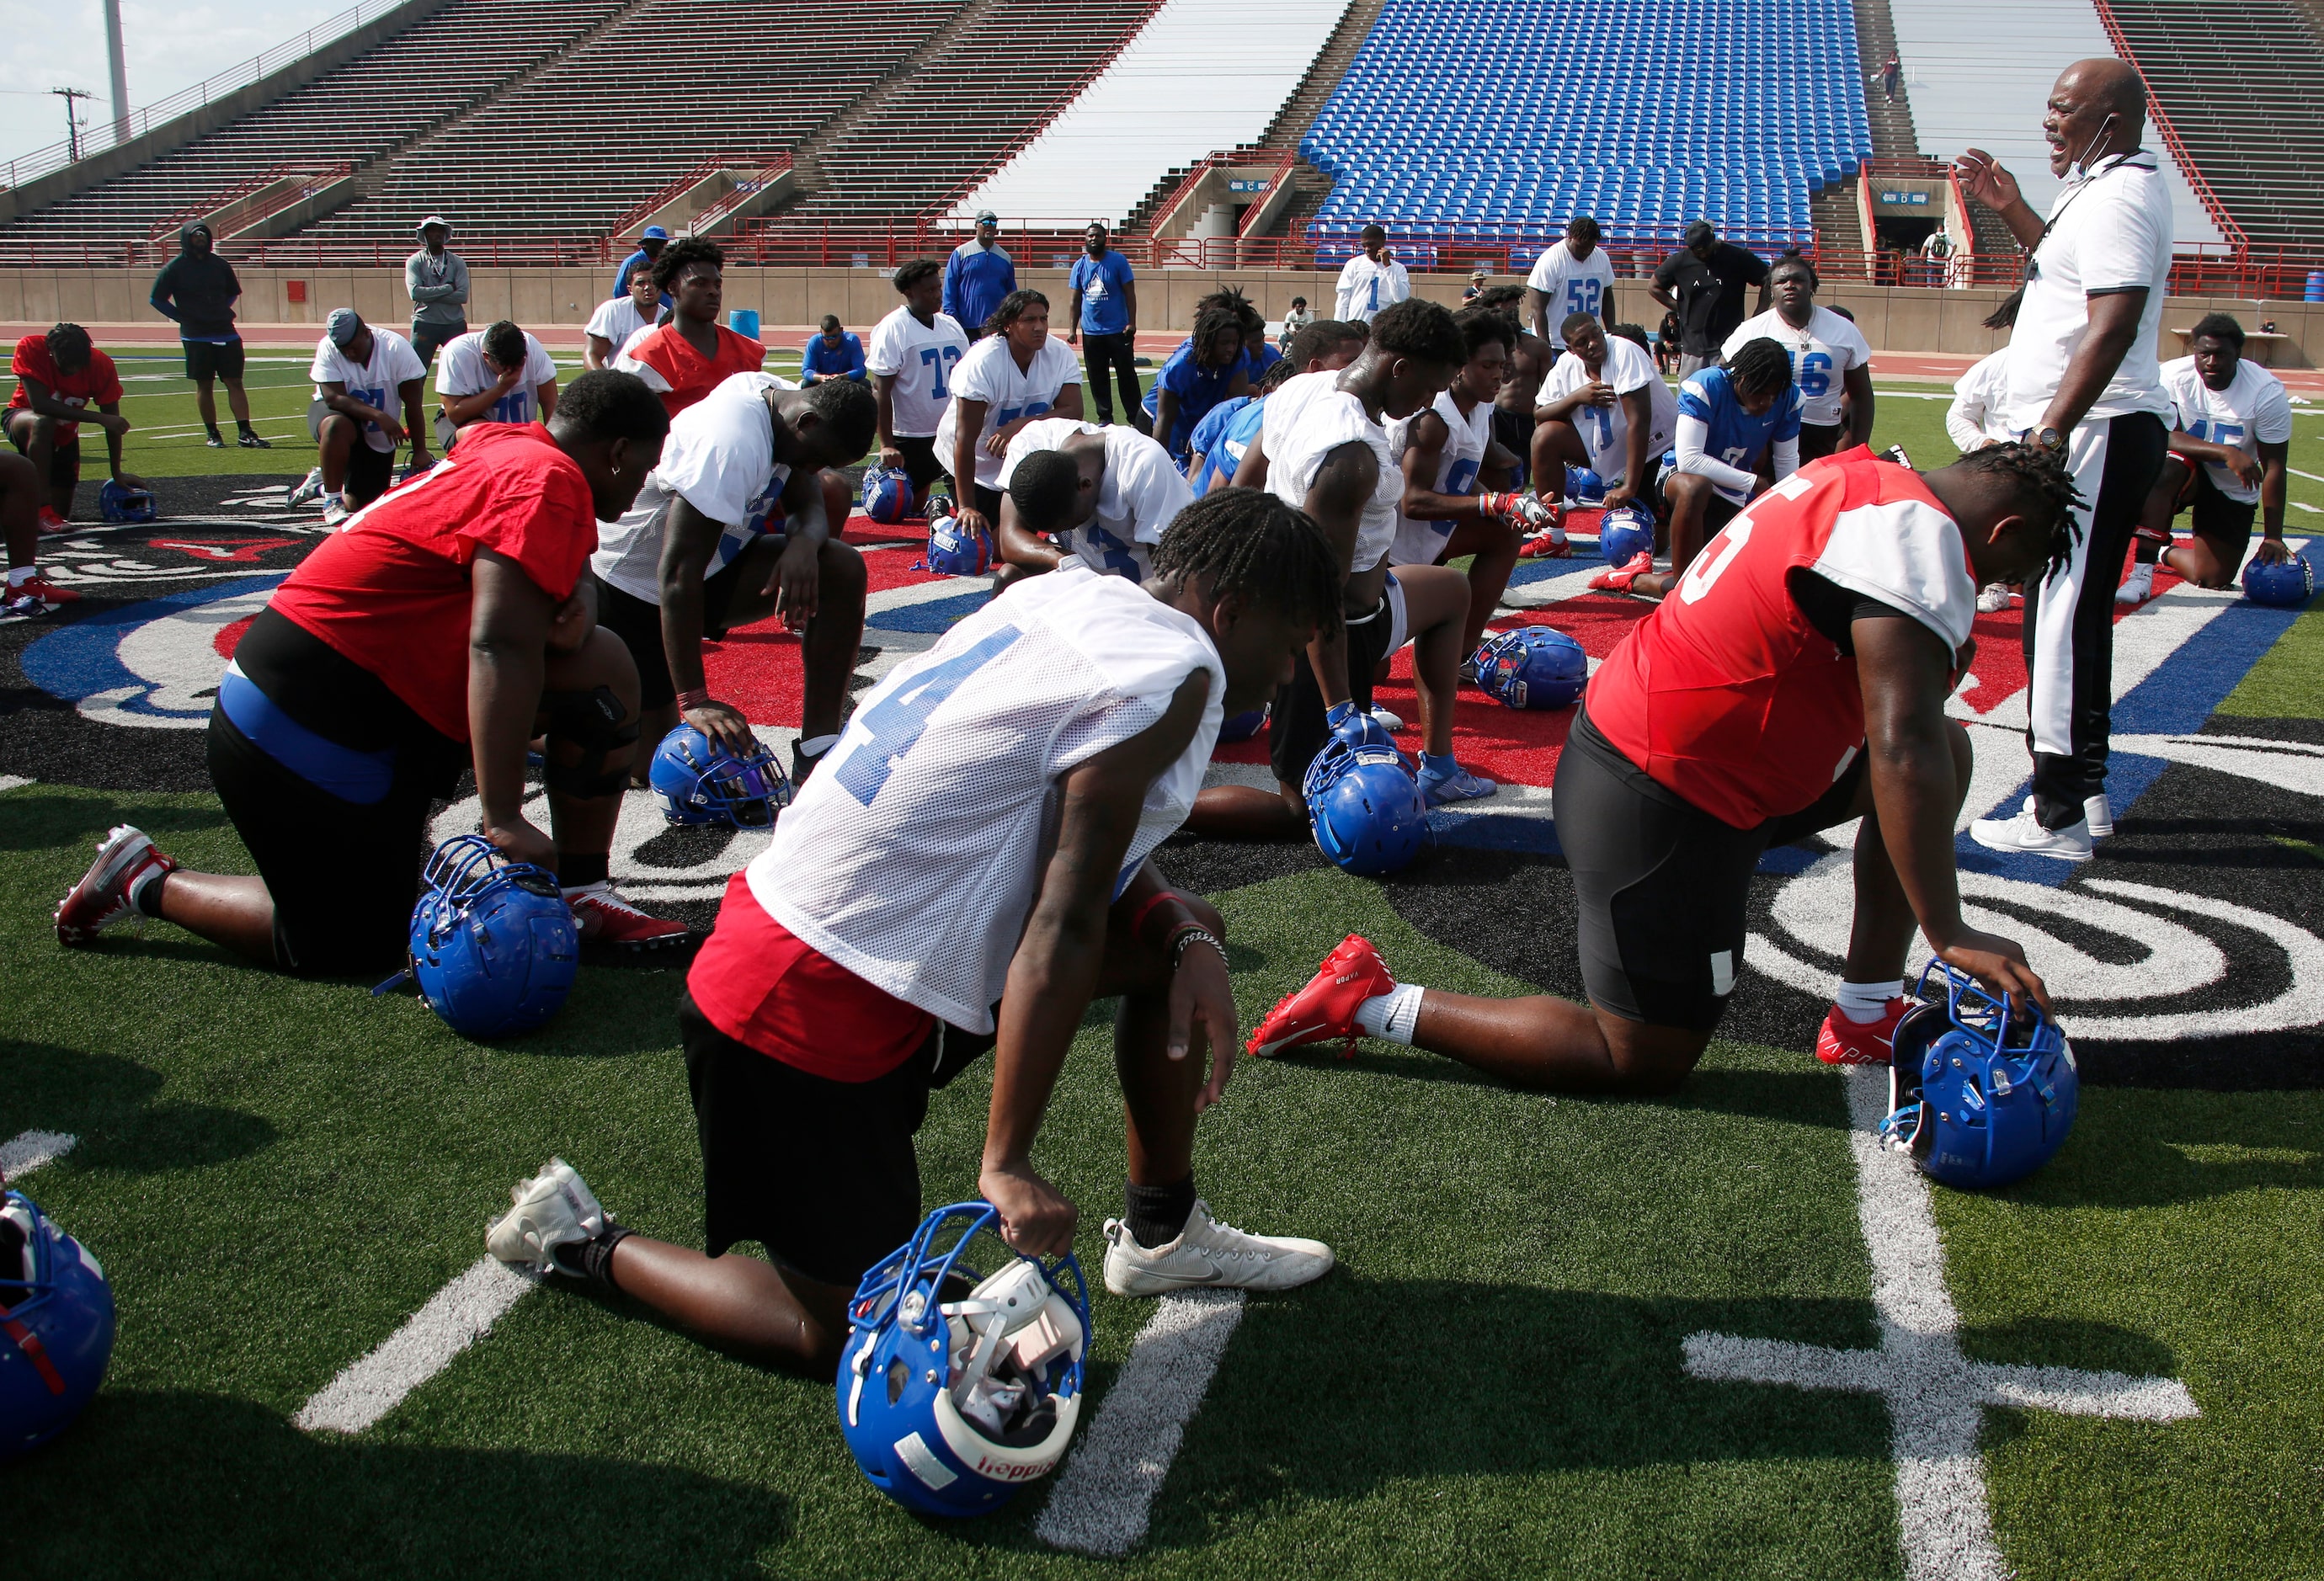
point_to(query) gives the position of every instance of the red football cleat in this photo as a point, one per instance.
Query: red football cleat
(1326, 1007)
(1619, 580)
(1549, 544)
(1842, 1042)
(40, 587)
(101, 898)
(609, 922)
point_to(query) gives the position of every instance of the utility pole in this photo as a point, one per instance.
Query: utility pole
(120, 65)
(72, 124)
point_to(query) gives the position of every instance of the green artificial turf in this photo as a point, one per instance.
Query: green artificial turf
(2288, 681)
(278, 1173)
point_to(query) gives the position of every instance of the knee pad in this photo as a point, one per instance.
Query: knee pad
(596, 724)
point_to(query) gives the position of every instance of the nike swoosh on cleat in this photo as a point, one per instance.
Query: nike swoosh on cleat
(1213, 1277)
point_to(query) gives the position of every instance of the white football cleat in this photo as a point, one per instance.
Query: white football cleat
(554, 1209)
(2139, 588)
(2024, 834)
(1993, 600)
(1387, 721)
(305, 490)
(1208, 1254)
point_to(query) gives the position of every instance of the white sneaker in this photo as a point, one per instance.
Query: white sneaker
(554, 1209)
(2025, 834)
(1387, 721)
(335, 513)
(1993, 600)
(2139, 588)
(1208, 1252)
(307, 491)
(2098, 816)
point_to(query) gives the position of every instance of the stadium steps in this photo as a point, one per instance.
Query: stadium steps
(807, 173)
(2243, 88)
(1838, 226)
(1892, 136)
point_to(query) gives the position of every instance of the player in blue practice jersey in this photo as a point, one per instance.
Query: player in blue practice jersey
(1204, 371)
(1739, 431)
(1222, 437)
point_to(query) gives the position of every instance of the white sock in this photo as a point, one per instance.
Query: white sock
(1393, 1015)
(818, 746)
(20, 575)
(1866, 1003)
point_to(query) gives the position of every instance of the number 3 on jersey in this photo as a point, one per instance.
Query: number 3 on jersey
(879, 737)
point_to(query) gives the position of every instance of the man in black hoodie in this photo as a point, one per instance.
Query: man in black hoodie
(198, 288)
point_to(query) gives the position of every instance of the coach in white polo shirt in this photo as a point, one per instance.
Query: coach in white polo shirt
(2085, 383)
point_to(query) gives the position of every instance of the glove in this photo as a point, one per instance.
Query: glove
(1526, 509)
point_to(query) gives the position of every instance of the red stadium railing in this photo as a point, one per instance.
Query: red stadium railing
(2170, 134)
(768, 165)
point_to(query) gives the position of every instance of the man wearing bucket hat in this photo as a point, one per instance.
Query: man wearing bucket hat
(651, 243)
(438, 280)
(978, 276)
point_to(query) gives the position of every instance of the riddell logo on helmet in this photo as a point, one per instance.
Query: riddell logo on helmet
(1003, 1471)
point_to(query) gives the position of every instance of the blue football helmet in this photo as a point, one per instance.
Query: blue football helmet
(699, 781)
(1365, 807)
(2283, 584)
(494, 946)
(953, 552)
(887, 496)
(56, 1326)
(1243, 726)
(116, 502)
(954, 1389)
(1624, 532)
(1976, 1100)
(1533, 667)
(1583, 486)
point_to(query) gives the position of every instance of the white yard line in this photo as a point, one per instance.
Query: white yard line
(1104, 1496)
(454, 1319)
(28, 1150)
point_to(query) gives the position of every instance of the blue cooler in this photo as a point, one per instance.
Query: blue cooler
(2316, 285)
(744, 321)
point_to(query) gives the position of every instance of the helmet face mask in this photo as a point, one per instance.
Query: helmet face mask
(494, 946)
(699, 782)
(1977, 1098)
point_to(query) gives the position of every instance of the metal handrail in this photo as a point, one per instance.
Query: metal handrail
(2210, 200)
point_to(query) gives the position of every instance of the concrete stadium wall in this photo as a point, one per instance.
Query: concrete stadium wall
(1894, 318)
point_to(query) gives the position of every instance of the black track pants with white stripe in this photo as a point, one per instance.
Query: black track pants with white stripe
(2070, 617)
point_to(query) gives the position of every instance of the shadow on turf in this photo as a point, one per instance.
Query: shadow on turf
(42, 823)
(107, 1101)
(143, 1475)
(1808, 1097)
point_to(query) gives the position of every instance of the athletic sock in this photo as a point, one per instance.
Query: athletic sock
(2147, 551)
(591, 1261)
(241, 427)
(145, 894)
(815, 747)
(20, 575)
(1392, 1015)
(1866, 1003)
(213, 430)
(578, 872)
(1158, 1215)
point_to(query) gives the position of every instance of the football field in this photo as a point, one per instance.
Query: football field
(1718, 1334)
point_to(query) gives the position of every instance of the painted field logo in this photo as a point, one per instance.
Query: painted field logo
(153, 665)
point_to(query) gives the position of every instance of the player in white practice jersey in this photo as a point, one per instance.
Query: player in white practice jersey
(970, 872)
(1573, 277)
(499, 375)
(1015, 375)
(1101, 496)
(1371, 281)
(1604, 407)
(1831, 362)
(2230, 443)
(619, 317)
(911, 359)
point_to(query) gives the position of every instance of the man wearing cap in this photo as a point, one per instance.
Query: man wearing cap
(437, 281)
(363, 378)
(197, 290)
(978, 275)
(649, 246)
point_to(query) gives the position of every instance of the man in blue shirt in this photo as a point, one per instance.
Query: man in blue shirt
(649, 246)
(978, 277)
(834, 354)
(1105, 309)
(1205, 370)
(1731, 422)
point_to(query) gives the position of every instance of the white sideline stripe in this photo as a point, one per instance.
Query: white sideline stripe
(454, 1319)
(1105, 1493)
(28, 1150)
(9, 782)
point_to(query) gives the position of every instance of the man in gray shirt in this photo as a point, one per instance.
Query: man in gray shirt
(437, 281)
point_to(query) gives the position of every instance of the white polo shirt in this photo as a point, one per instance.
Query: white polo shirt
(2109, 230)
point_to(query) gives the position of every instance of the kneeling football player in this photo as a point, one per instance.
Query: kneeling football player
(445, 625)
(737, 523)
(1103, 495)
(1605, 407)
(968, 872)
(1798, 682)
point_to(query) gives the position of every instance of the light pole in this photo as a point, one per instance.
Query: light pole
(120, 64)
(72, 126)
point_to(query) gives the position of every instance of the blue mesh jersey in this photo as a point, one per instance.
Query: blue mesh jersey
(1220, 438)
(1737, 437)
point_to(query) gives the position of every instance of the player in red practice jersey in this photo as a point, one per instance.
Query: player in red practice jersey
(1794, 679)
(692, 355)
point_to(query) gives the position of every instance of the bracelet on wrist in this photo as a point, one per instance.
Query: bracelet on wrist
(693, 697)
(1186, 938)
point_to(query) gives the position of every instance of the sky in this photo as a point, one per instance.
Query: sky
(61, 43)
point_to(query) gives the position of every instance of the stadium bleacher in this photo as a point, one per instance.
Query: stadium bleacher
(1648, 117)
(460, 56)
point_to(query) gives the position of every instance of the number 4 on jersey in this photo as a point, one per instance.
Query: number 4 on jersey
(879, 736)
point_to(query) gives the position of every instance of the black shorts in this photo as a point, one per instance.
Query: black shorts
(370, 473)
(2215, 515)
(1662, 884)
(64, 459)
(1818, 440)
(822, 1174)
(1297, 730)
(639, 626)
(206, 360)
(1514, 433)
(920, 463)
(343, 874)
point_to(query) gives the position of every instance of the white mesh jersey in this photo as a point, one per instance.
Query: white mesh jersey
(1419, 542)
(1141, 495)
(1308, 418)
(720, 459)
(990, 373)
(913, 855)
(1605, 430)
(921, 357)
(2251, 410)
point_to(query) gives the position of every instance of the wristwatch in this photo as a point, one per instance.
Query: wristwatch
(2050, 440)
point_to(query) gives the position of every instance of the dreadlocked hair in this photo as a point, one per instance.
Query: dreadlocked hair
(1281, 370)
(2043, 485)
(2005, 313)
(1249, 542)
(1759, 366)
(1231, 299)
(1212, 323)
